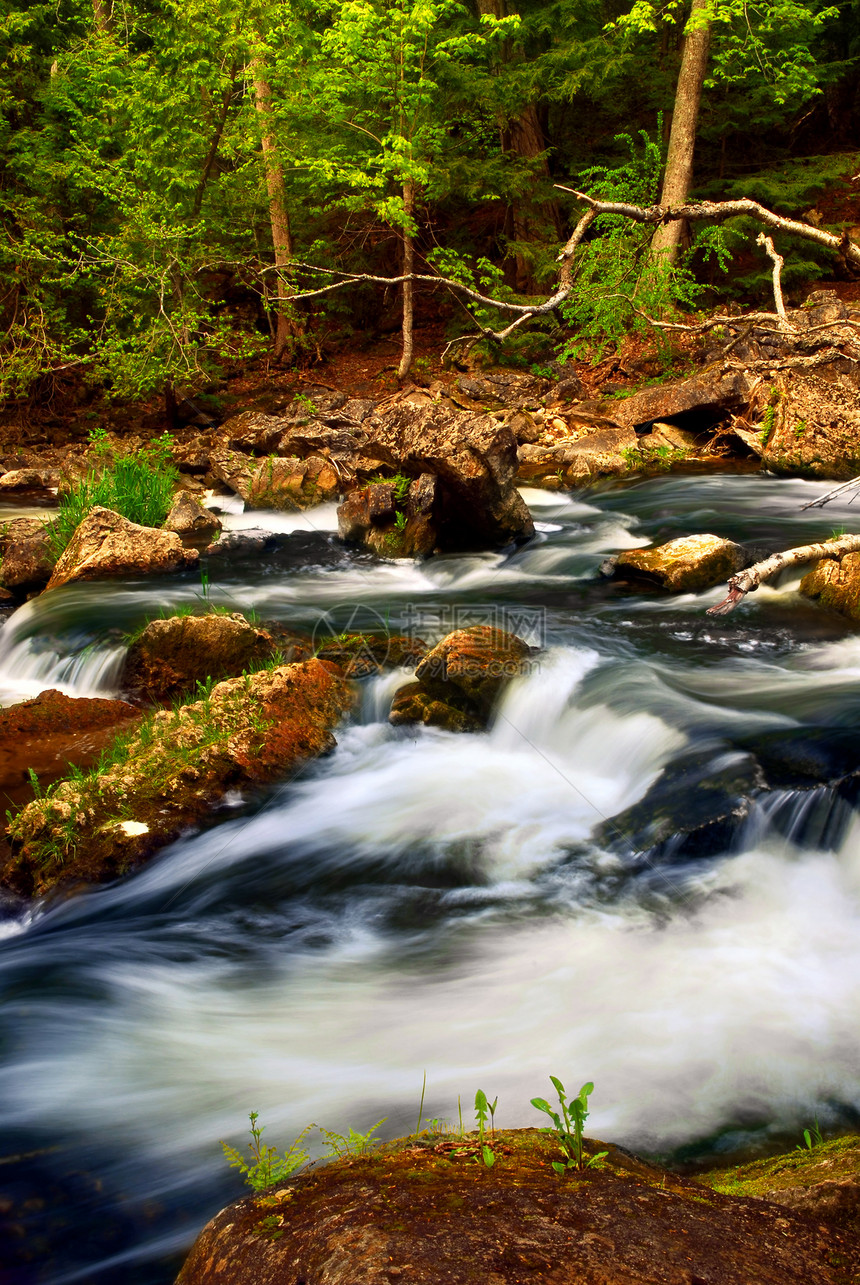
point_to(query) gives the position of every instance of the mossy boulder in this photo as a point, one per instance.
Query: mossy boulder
(811, 425)
(459, 681)
(291, 483)
(171, 656)
(429, 1212)
(171, 773)
(360, 655)
(836, 584)
(687, 565)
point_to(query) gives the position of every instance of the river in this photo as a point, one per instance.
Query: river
(420, 902)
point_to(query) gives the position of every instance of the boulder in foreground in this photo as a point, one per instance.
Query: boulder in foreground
(172, 771)
(106, 544)
(429, 1213)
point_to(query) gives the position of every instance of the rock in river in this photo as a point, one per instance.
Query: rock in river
(106, 544)
(172, 773)
(686, 565)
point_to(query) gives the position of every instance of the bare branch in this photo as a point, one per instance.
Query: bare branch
(831, 495)
(778, 264)
(749, 580)
(718, 212)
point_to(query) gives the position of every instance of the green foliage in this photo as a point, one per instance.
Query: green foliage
(619, 283)
(351, 1143)
(812, 1138)
(138, 485)
(568, 1127)
(653, 458)
(266, 1166)
(484, 1111)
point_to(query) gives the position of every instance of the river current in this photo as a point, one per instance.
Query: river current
(475, 907)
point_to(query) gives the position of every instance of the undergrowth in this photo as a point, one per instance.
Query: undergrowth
(138, 485)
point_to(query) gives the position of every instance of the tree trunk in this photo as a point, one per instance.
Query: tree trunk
(682, 141)
(408, 267)
(523, 136)
(282, 240)
(102, 14)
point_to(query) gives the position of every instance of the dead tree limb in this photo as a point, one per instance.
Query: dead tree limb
(708, 211)
(749, 580)
(821, 500)
(778, 264)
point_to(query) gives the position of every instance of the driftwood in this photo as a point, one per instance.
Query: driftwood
(749, 580)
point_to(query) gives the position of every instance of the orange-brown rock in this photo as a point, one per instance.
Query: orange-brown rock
(434, 1215)
(51, 732)
(172, 773)
(459, 680)
(292, 483)
(686, 565)
(836, 584)
(106, 544)
(172, 655)
(360, 655)
(28, 562)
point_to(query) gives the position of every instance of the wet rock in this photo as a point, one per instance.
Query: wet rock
(52, 732)
(232, 470)
(106, 544)
(435, 705)
(692, 811)
(292, 483)
(27, 562)
(460, 679)
(578, 452)
(173, 772)
(390, 521)
(360, 655)
(171, 656)
(188, 518)
(835, 584)
(474, 459)
(686, 565)
(428, 1214)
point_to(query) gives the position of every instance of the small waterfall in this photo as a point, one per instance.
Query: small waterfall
(43, 646)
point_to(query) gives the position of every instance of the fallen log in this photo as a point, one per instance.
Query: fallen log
(748, 581)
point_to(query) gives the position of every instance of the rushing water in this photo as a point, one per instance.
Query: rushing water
(422, 901)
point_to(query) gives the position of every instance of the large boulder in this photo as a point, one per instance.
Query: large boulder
(173, 772)
(395, 520)
(711, 394)
(459, 681)
(836, 584)
(106, 544)
(685, 565)
(475, 504)
(170, 656)
(810, 425)
(432, 1212)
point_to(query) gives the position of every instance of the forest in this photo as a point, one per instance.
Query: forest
(185, 185)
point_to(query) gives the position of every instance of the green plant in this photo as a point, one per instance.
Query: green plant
(138, 485)
(400, 520)
(800, 428)
(769, 421)
(485, 1110)
(812, 1138)
(306, 403)
(568, 1126)
(267, 1166)
(351, 1143)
